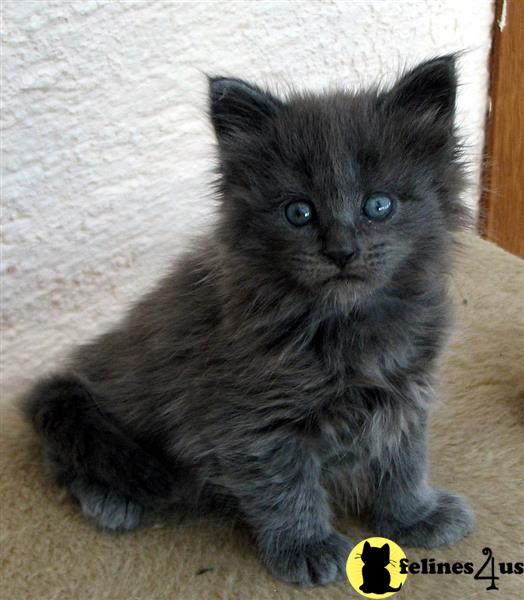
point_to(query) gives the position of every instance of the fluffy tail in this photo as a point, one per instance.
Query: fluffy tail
(84, 442)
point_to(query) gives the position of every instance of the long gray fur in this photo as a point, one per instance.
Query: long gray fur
(253, 381)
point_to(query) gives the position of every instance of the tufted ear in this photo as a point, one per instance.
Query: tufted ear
(430, 88)
(238, 107)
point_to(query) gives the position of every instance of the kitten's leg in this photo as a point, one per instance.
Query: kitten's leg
(406, 509)
(280, 495)
(113, 478)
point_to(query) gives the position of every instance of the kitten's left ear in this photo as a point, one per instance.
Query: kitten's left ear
(238, 107)
(429, 88)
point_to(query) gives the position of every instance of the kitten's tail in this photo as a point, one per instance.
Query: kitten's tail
(392, 589)
(84, 442)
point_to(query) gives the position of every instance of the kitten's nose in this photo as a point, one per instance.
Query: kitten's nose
(340, 257)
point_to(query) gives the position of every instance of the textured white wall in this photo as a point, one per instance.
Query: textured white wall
(107, 152)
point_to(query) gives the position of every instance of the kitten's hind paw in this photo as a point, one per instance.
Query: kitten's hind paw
(315, 563)
(107, 508)
(447, 523)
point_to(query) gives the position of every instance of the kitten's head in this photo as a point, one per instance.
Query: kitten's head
(373, 555)
(340, 194)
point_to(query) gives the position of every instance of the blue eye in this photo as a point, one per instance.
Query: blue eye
(378, 206)
(299, 213)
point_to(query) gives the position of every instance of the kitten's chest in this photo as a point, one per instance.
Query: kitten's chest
(360, 425)
(340, 434)
(351, 355)
(339, 439)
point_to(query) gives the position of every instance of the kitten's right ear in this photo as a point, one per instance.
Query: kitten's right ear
(237, 107)
(431, 86)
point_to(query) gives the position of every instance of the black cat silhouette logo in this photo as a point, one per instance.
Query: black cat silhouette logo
(374, 573)
(373, 568)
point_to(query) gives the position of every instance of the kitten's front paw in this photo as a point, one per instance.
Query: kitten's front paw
(447, 523)
(316, 563)
(108, 509)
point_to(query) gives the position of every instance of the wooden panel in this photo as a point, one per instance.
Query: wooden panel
(502, 205)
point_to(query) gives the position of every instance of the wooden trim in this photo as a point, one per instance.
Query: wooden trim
(502, 202)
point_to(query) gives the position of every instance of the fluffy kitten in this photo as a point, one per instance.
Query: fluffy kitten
(293, 353)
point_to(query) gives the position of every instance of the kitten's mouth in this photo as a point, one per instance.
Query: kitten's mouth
(346, 277)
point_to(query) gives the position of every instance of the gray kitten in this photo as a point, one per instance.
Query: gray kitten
(293, 353)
